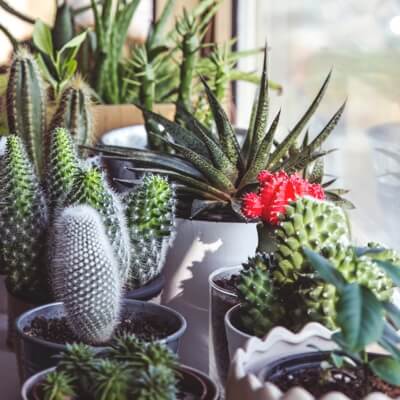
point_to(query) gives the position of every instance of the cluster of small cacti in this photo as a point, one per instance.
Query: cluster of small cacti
(132, 369)
(268, 283)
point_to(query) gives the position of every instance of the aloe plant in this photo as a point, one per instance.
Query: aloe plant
(212, 169)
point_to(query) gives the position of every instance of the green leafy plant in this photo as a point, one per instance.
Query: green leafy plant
(58, 386)
(58, 66)
(363, 319)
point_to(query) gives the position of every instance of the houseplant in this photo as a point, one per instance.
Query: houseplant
(130, 368)
(353, 371)
(213, 173)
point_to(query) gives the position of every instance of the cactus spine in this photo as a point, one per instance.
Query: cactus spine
(74, 114)
(26, 105)
(150, 211)
(23, 221)
(90, 188)
(85, 274)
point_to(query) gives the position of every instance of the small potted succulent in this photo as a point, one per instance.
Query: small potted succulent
(273, 283)
(129, 369)
(350, 371)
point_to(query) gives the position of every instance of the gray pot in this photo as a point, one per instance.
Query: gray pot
(34, 354)
(199, 384)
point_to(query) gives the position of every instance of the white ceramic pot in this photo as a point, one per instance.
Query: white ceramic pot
(201, 247)
(244, 378)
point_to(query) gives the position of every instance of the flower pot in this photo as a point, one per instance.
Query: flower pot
(194, 382)
(262, 389)
(201, 247)
(35, 354)
(148, 291)
(245, 379)
(222, 298)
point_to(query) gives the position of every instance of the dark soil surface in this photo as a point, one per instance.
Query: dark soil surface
(56, 330)
(228, 284)
(349, 381)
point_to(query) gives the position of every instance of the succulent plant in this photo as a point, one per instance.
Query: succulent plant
(26, 105)
(85, 274)
(150, 211)
(73, 113)
(57, 386)
(63, 165)
(23, 222)
(90, 188)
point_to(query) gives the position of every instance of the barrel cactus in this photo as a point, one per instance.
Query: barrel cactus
(150, 211)
(26, 105)
(84, 273)
(90, 188)
(23, 221)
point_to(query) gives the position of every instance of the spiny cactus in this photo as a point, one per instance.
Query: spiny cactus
(74, 114)
(57, 386)
(90, 188)
(62, 167)
(311, 223)
(150, 211)
(23, 221)
(26, 105)
(84, 274)
(261, 306)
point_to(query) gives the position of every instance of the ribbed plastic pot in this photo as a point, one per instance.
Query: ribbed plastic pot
(192, 381)
(147, 292)
(35, 354)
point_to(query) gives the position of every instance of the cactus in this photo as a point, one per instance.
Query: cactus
(309, 223)
(73, 113)
(90, 188)
(26, 105)
(57, 386)
(62, 167)
(23, 222)
(261, 306)
(150, 211)
(84, 274)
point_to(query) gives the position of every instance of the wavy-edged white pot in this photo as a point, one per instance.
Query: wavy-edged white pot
(253, 354)
(200, 248)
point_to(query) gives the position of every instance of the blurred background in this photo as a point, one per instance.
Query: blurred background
(358, 39)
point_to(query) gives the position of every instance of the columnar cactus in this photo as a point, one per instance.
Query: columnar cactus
(26, 105)
(85, 274)
(150, 211)
(90, 188)
(63, 166)
(74, 114)
(23, 221)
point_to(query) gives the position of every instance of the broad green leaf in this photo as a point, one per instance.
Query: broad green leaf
(250, 132)
(392, 270)
(45, 71)
(386, 368)
(393, 313)
(71, 48)
(325, 269)
(158, 34)
(42, 38)
(359, 316)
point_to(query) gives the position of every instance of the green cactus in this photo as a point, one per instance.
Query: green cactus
(90, 188)
(85, 274)
(74, 113)
(62, 167)
(261, 307)
(307, 223)
(26, 105)
(58, 386)
(23, 222)
(150, 211)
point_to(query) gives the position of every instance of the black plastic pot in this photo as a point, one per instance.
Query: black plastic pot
(147, 292)
(34, 354)
(191, 381)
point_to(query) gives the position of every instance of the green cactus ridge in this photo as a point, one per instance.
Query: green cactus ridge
(90, 188)
(74, 114)
(150, 211)
(85, 274)
(23, 221)
(26, 105)
(63, 166)
(58, 386)
(307, 223)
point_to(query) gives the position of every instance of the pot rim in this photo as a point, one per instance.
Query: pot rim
(229, 324)
(19, 324)
(218, 271)
(31, 381)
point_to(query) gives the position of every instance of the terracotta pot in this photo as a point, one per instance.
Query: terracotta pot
(201, 247)
(194, 382)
